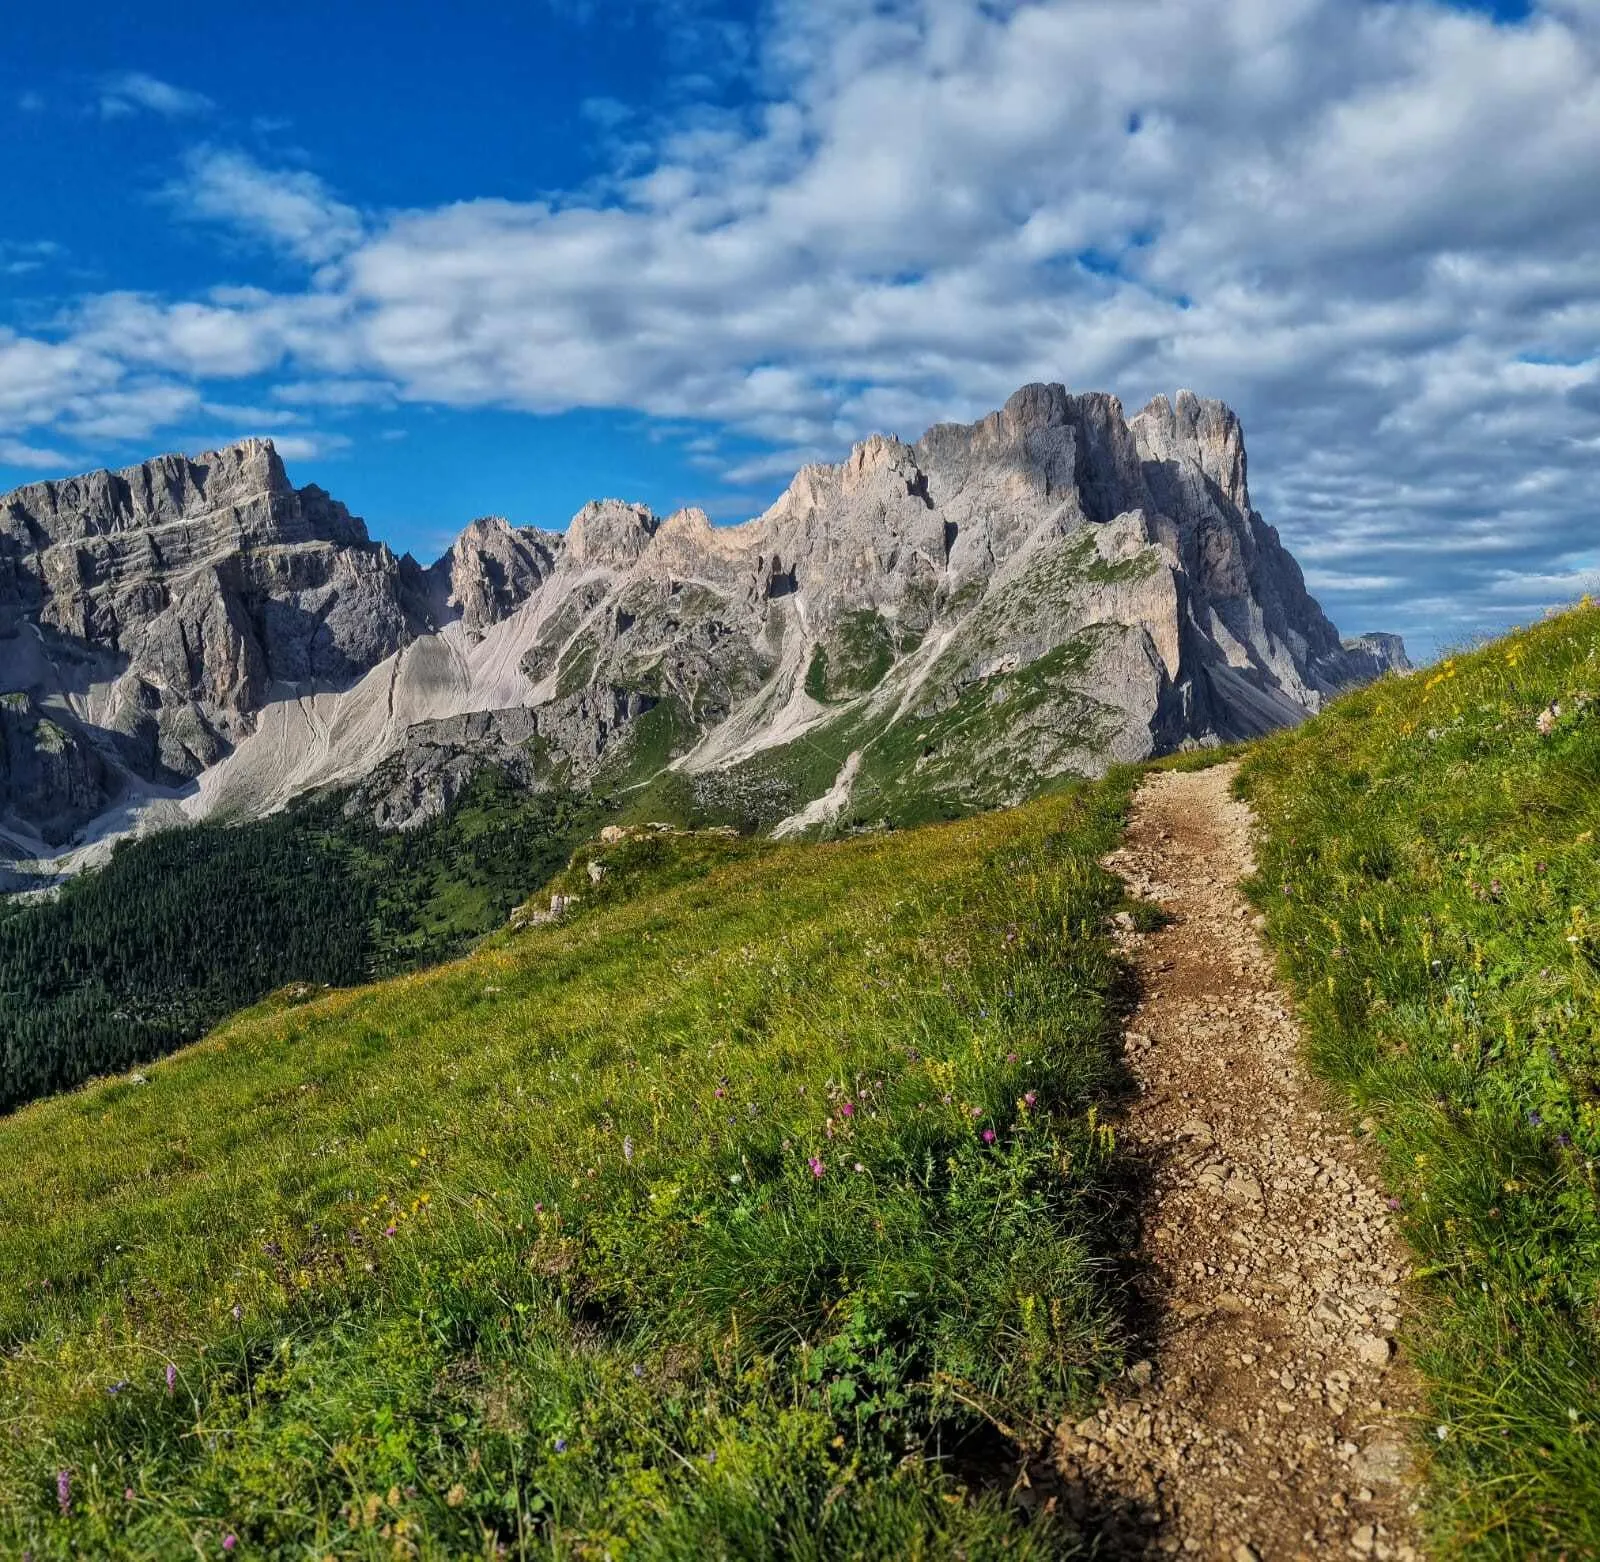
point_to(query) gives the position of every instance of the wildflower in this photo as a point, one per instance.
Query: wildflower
(389, 1231)
(229, 1541)
(817, 1168)
(127, 1494)
(117, 1387)
(1548, 718)
(988, 1136)
(1031, 1099)
(1442, 1432)
(1534, 1119)
(846, 1110)
(860, 1167)
(711, 1457)
(977, 1111)
(64, 1490)
(1564, 1140)
(1392, 1202)
(561, 1445)
(627, 1149)
(719, 1092)
(1011, 1057)
(238, 1312)
(638, 1369)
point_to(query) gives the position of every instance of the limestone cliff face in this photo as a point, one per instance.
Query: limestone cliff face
(1050, 589)
(158, 609)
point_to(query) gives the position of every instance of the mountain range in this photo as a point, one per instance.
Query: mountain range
(920, 629)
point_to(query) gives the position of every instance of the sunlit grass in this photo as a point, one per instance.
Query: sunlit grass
(758, 1211)
(1430, 876)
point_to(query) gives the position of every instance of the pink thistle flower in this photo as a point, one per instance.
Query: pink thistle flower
(229, 1541)
(988, 1136)
(846, 1110)
(817, 1168)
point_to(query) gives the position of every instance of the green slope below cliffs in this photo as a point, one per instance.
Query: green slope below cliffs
(1430, 875)
(763, 1210)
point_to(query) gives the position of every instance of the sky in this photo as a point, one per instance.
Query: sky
(505, 258)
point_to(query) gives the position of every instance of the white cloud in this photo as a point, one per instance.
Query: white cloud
(1372, 227)
(133, 92)
(288, 209)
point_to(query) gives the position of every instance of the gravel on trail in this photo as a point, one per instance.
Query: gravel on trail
(1272, 1417)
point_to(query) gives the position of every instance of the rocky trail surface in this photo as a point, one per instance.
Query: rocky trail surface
(1270, 1420)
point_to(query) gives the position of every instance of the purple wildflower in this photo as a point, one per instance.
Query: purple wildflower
(172, 1377)
(817, 1168)
(127, 1494)
(561, 1445)
(117, 1387)
(238, 1312)
(1392, 1202)
(846, 1110)
(1564, 1140)
(64, 1490)
(391, 1231)
(627, 1149)
(229, 1541)
(1534, 1119)
(711, 1457)
(1011, 1057)
(1031, 1098)
(988, 1136)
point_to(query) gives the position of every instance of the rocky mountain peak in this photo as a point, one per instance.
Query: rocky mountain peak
(1049, 589)
(608, 534)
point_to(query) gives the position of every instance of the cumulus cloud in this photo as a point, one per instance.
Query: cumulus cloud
(134, 92)
(1372, 227)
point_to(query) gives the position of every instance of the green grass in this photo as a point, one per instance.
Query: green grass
(184, 927)
(1430, 876)
(526, 1255)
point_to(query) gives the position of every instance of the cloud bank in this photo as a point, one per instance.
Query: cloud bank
(1374, 228)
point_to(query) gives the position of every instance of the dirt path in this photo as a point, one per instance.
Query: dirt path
(1270, 1420)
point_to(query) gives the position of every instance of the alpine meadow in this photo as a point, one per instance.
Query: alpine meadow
(695, 863)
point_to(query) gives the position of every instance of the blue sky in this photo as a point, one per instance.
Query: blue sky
(509, 258)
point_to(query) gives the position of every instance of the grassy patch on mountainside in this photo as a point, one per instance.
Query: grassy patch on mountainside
(182, 928)
(753, 1214)
(1430, 876)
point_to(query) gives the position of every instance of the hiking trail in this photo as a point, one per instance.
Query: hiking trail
(1271, 1418)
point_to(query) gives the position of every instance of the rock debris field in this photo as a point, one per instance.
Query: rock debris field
(1271, 1417)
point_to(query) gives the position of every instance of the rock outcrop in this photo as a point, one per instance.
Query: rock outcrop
(1053, 588)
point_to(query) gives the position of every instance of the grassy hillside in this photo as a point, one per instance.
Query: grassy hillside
(1430, 875)
(761, 1210)
(182, 928)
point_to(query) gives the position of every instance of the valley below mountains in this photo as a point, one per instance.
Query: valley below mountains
(919, 631)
